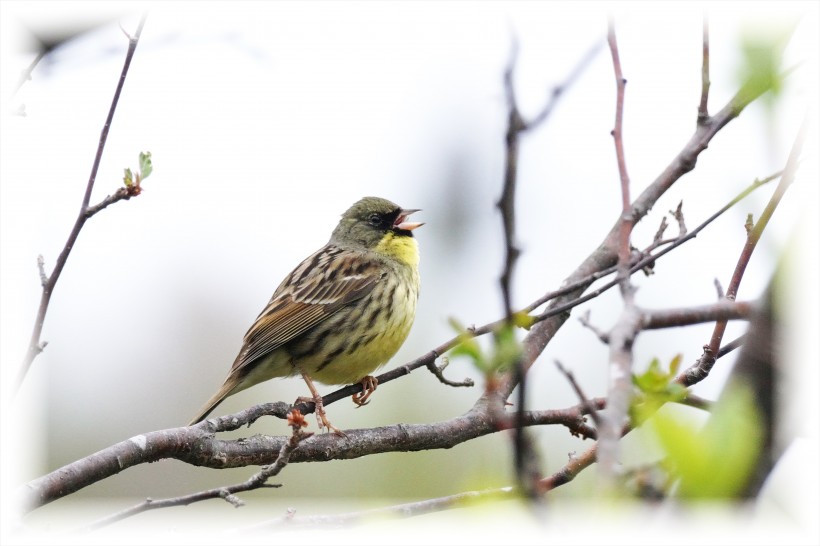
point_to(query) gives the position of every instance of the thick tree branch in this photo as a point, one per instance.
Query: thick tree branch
(227, 493)
(669, 318)
(198, 445)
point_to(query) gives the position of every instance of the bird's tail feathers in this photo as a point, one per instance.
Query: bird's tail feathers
(226, 390)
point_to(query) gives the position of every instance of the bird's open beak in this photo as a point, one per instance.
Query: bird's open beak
(402, 223)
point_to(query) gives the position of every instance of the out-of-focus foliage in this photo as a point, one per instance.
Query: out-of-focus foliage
(713, 462)
(761, 72)
(506, 347)
(657, 387)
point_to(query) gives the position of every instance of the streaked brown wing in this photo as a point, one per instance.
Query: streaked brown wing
(321, 285)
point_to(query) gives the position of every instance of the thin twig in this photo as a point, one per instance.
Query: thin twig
(602, 261)
(438, 371)
(525, 463)
(703, 108)
(41, 268)
(658, 239)
(644, 262)
(26, 74)
(585, 322)
(617, 133)
(35, 346)
(227, 493)
(559, 90)
(704, 364)
(569, 471)
(677, 214)
(585, 403)
(719, 289)
(506, 204)
(408, 510)
(731, 346)
(121, 194)
(622, 335)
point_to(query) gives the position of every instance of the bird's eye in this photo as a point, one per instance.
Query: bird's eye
(374, 219)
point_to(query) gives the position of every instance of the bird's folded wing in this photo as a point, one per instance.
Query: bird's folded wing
(316, 294)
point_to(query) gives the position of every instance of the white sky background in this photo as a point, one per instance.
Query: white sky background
(267, 120)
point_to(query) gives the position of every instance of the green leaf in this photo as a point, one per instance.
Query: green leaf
(657, 387)
(507, 349)
(146, 167)
(128, 178)
(467, 345)
(761, 68)
(716, 461)
(655, 379)
(674, 365)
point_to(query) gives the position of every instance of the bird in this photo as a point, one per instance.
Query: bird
(342, 313)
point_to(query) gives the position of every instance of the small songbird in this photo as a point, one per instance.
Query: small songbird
(341, 314)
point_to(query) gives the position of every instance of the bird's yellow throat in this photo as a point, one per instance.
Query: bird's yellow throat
(401, 247)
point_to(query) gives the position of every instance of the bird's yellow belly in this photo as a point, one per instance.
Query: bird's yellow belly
(368, 339)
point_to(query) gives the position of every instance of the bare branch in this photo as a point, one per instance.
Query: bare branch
(35, 346)
(559, 90)
(122, 194)
(506, 204)
(438, 372)
(658, 239)
(731, 346)
(584, 320)
(227, 493)
(604, 257)
(526, 463)
(585, 403)
(198, 445)
(408, 510)
(719, 289)
(703, 109)
(622, 335)
(678, 215)
(668, 318)
(570, 287)
(568, 473)
(703, 365)
(26, 74)
(41, 268)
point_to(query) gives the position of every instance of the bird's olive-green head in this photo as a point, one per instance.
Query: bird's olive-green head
(369, 220)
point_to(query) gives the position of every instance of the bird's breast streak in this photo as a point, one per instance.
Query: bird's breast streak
(337, 364)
